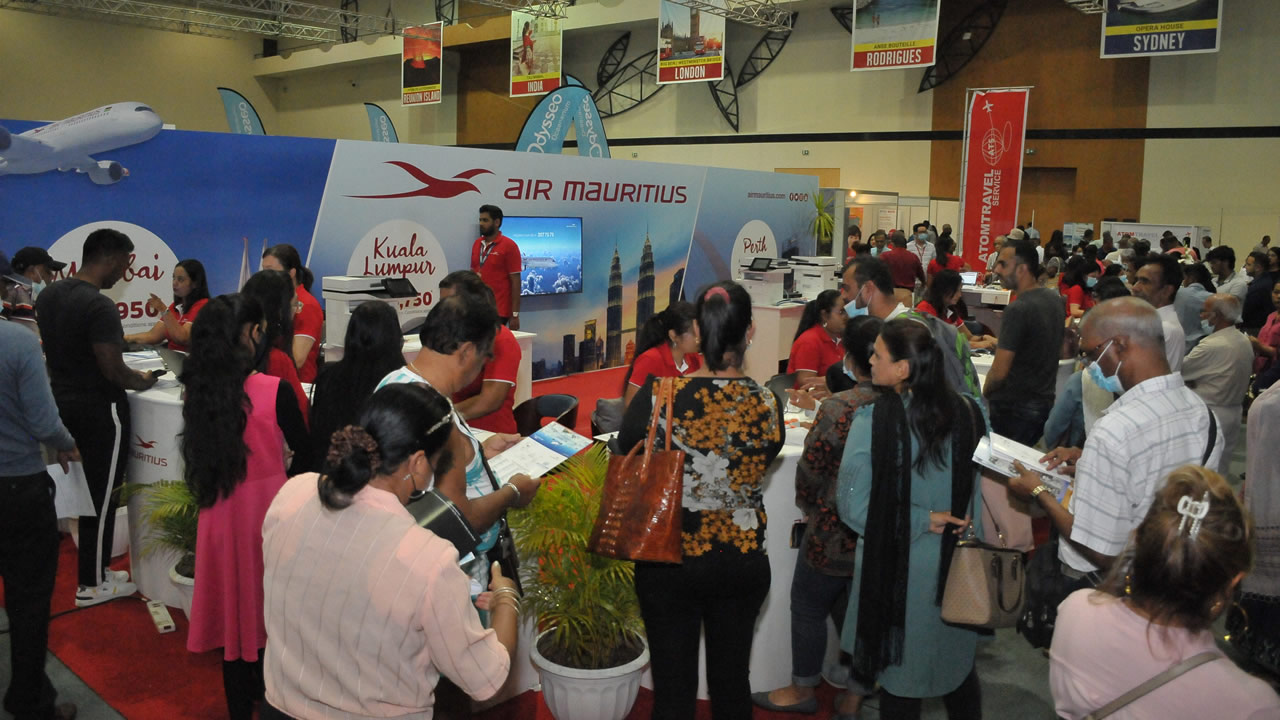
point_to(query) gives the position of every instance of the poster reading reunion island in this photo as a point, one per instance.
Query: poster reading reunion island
(690, 44)
(535, 54)
(420, 69)
(1138, 28)
(891, 34)
(995, 131)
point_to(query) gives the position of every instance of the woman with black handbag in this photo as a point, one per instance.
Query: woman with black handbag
(907, 483)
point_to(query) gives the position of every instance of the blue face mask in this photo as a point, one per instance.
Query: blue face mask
(36, 287)
(849, 373)
(1091, 281)
(1110, 383)
(1207, 327)
(852, 310)
(922, 237)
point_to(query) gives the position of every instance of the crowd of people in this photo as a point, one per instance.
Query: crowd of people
(312, 501)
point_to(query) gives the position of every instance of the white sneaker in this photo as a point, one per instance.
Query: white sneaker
(114, 586)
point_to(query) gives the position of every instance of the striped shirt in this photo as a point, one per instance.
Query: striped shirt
(1156, 427)
(365, 610)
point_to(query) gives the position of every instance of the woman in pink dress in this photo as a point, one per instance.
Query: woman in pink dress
(237, 423)
(1266, 346)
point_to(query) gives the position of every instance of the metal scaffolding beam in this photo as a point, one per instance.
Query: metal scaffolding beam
(1088, 7)
(537, 8)
(759, 13)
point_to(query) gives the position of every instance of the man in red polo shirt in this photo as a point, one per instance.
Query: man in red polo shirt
(497, 259)
(904, 267)
(487, 403)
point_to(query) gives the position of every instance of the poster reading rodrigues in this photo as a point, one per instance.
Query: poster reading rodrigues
(890, 34)
(420, 69)
(1138, 28)
(690, 44)
(535, 54)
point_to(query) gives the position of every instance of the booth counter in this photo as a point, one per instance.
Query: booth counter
(776, 327)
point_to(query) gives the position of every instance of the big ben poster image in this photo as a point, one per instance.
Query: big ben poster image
(690, 44)
(535, 54)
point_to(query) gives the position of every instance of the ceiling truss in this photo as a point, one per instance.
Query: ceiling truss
(759, 13)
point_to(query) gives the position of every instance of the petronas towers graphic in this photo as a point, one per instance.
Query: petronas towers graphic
(613, 355)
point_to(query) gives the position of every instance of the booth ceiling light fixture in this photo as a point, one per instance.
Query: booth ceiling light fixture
(272, 18)
(1088, 7)
(554, 9)
(759, 13)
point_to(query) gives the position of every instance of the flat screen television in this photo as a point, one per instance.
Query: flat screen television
(550, 253)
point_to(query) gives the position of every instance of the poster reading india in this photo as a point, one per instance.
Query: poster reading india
(892, 34)
(1138, 28)
(690, 44)
(535, 54)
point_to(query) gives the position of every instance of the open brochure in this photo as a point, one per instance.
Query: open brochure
(537, 454)
(998, 453)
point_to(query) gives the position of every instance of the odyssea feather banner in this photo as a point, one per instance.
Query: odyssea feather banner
(994, 135)
(893, 34)
(1138, 28)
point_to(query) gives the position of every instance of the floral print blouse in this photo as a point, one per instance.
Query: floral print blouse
(730, 430)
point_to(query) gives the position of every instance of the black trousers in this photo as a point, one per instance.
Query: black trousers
(963, 703)
(28, 566)
(243, 686)
(102, 432)
(719, 593)
(1021, 422)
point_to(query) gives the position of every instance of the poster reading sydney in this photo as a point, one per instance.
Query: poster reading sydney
(1138, 28)
(890, 34)
(690, 44)
(420, 71)
(535, 54)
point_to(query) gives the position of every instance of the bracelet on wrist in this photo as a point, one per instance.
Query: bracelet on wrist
(514, 489)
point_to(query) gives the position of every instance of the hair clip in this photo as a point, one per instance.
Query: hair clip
(716, 291)
(1194, 511)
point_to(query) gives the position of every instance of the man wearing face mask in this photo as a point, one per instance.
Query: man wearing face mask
(1156, 426)
(1158, 280)
(1219, 366)
(923, 249)
(32, 269)
(1020, 385)
(84, 344)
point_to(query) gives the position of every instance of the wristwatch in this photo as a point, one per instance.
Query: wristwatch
(1039, 489)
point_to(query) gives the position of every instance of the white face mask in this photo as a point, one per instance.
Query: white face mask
(36, 287)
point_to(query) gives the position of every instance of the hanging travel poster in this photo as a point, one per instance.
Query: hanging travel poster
(420, 65)
(892, 34)
(690, 44)
(535, 54)
(1139, 28)
(995, 130)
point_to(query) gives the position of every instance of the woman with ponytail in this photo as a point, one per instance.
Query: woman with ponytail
(308, 325)
(730, 429)
(666, 346)
(274, 293)
(907, 486)
(816, 346)
(364, 608)
(237, 423)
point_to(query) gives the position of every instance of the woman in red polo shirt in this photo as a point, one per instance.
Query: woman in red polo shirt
(945, 260)
(308, 321)
(944, 299)
(666, 346)
(817, 344)
(190, 293)
(1077, 279)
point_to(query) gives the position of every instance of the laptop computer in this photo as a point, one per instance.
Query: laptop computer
(969, 278)
(172, 360)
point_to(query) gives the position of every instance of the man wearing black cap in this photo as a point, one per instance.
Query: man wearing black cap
(31, 270)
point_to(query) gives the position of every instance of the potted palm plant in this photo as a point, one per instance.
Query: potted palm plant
(170, 513)
(590, 649)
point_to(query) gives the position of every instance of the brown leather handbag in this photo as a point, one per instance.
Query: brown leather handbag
(640, 516)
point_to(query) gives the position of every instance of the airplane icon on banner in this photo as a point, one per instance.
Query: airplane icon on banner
(69, 144)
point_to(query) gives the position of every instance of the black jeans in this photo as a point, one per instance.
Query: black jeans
(102, 432)
(719, 593)
(963, 703)
(243, 686)
(1021, 422)
(28, 566)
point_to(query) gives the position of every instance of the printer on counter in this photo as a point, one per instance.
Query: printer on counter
(815, 274)
(343, 293)
(768, 280)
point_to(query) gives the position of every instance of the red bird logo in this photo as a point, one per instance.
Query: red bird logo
(144, 444)
(431, 186)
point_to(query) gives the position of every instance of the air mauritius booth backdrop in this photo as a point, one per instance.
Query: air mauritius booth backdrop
(649, 231)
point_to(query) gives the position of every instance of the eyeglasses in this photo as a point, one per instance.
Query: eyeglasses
(1090, 356)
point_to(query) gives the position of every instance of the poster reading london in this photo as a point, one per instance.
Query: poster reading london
(1140, 28)
(892, 34)
(690, 44)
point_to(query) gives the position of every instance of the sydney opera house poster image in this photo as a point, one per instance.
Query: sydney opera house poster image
(894, 33)
(535, 54)
(420, 65)
(690, 45)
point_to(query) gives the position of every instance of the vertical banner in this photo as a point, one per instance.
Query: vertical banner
(548, 125)
(535, 54)
(241, 117)
(994, 131)
(892, 35)
(420, 66)
(1140, 28)
(690, 44)
(380, 127)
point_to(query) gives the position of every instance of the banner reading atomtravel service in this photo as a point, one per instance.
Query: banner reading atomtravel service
(420, 69)
(1139, 28)
(535, 54)
(893, 34)
(690, 44)
(995, 129)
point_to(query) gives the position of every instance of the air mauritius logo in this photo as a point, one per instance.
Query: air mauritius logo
(142, 455)
(432, 186)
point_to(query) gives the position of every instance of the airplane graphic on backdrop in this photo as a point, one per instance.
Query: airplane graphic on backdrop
(69, 144)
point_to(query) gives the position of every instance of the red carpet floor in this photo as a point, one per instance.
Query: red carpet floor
(587, 387)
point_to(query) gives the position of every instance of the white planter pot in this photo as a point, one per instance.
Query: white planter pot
(574, 694)
(186, 587)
